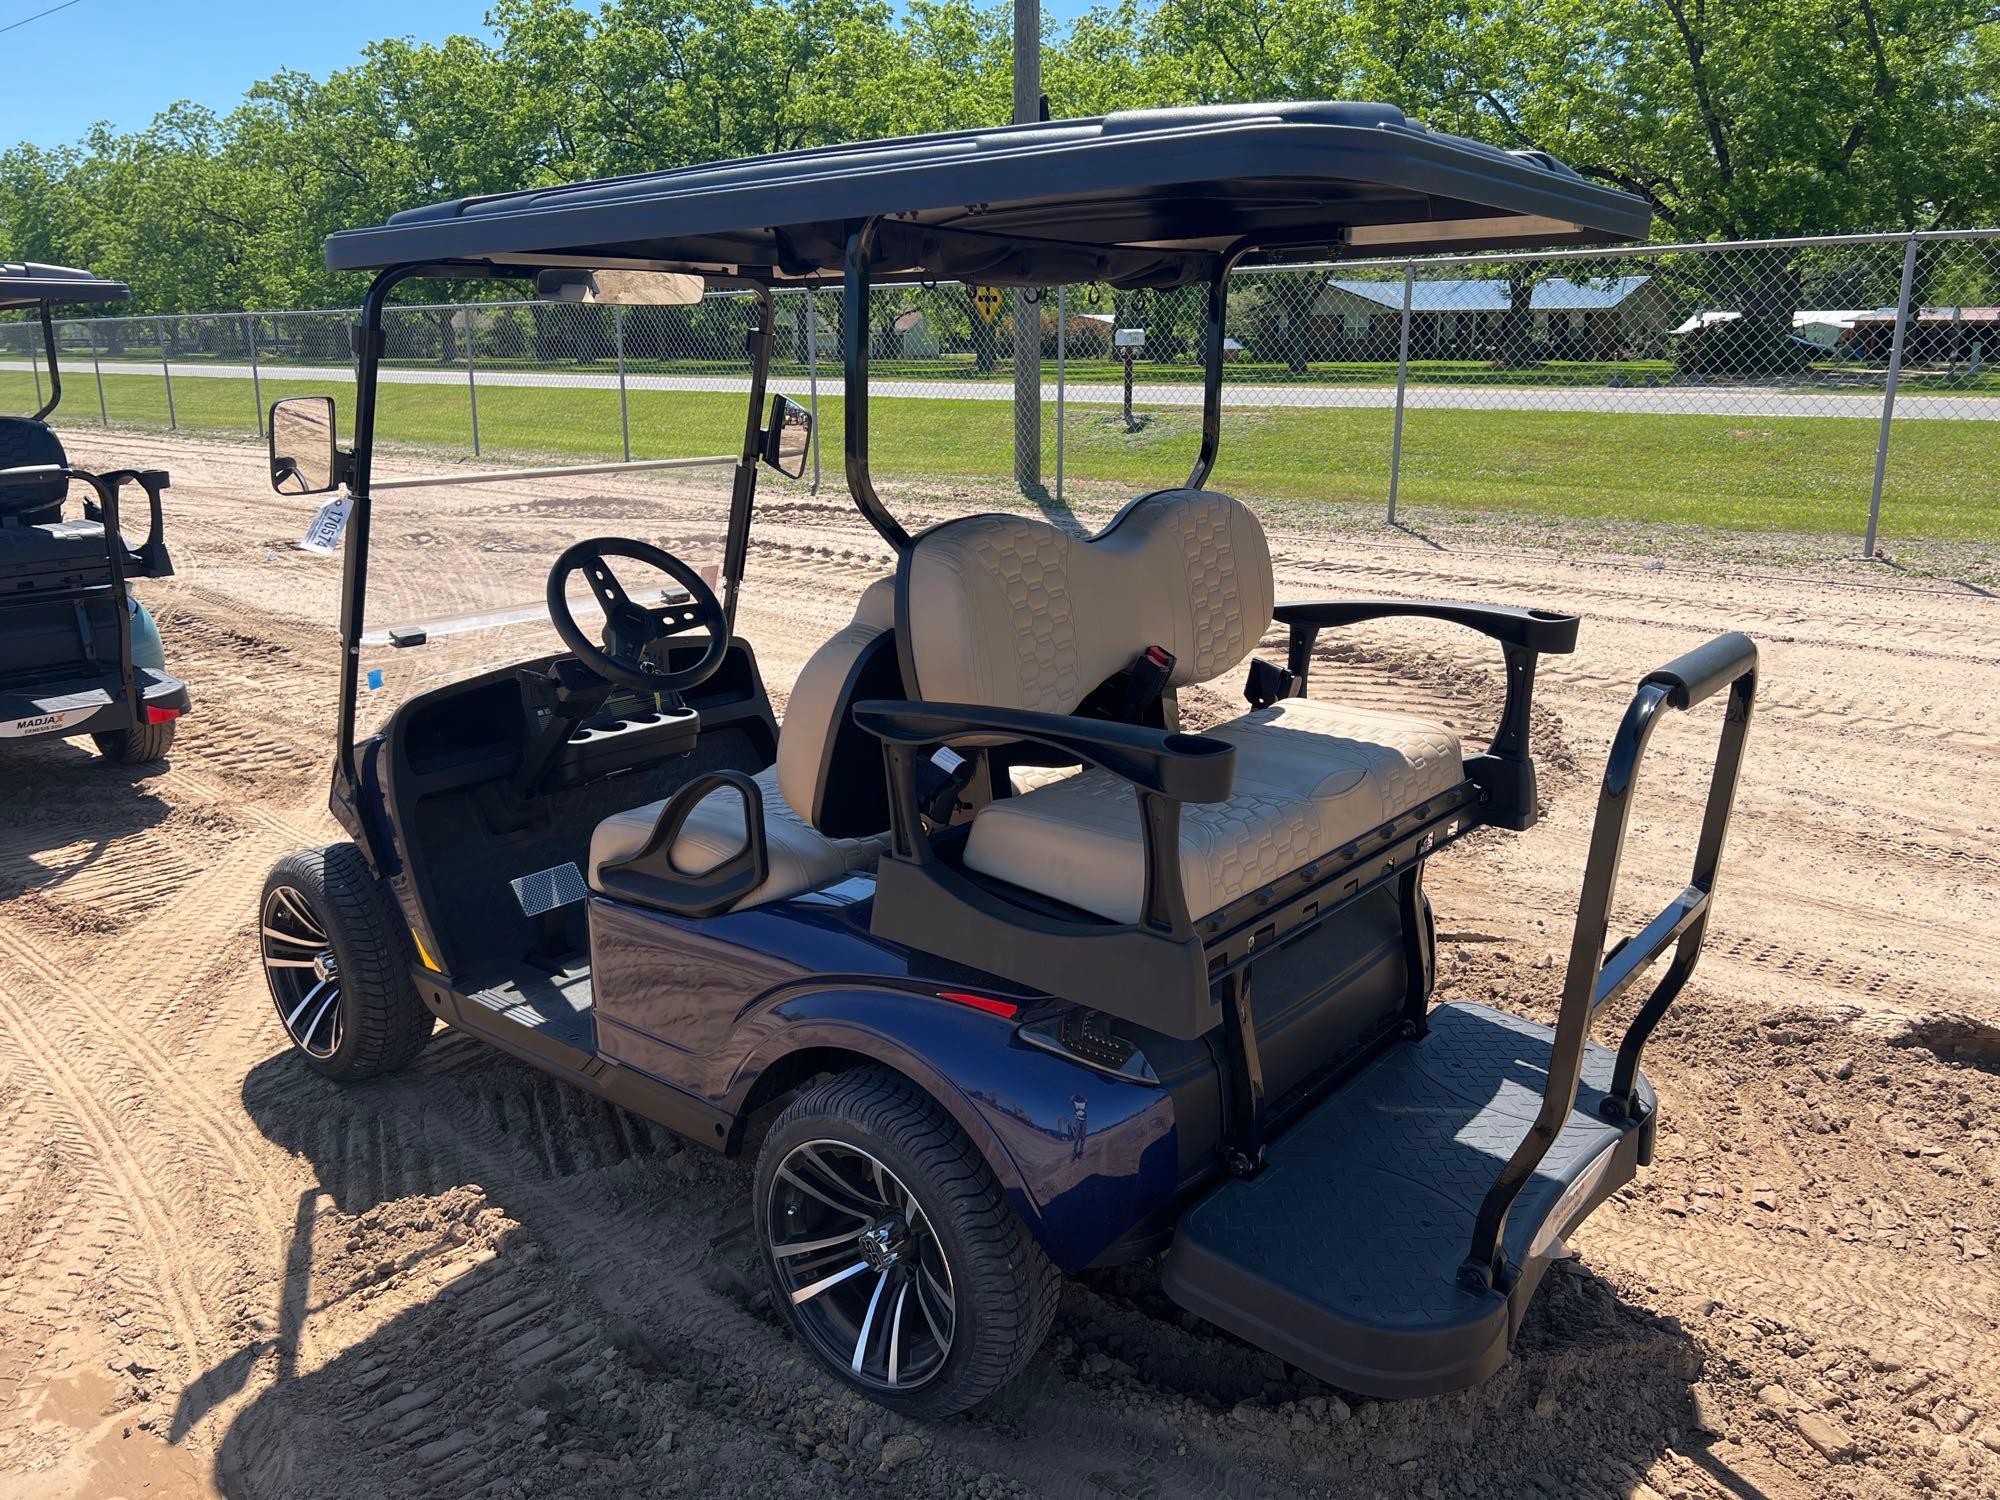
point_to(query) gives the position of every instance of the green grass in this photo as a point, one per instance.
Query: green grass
(1800, 474)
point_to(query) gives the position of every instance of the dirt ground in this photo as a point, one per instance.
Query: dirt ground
(220, 1273)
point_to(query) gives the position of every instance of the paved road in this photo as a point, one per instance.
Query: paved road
(1684, 400)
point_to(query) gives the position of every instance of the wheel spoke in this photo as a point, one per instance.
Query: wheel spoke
(312, 1026)
(807, 1293)
(292, 939)
(288, 963)
(299, 912)
(896, 1334)
(812, 1192)
(830, 1176)
(924, 1306)
(868, 1322)
(292, 1021)
(807, 1247)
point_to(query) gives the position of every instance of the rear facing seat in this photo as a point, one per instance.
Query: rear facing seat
(1010, 612)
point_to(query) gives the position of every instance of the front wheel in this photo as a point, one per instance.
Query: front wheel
(892, 1249)
(337, 959)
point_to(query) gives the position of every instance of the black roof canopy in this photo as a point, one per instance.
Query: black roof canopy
(29, 283)
(1143, 198)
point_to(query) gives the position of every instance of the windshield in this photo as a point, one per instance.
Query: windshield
(458, 574)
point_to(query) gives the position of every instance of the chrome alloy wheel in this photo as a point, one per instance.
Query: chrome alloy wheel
(862, 1265)
(304, 978)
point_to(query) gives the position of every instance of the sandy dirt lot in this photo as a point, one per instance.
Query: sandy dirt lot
(220, 1273)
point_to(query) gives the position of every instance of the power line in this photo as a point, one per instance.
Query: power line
(17, 25)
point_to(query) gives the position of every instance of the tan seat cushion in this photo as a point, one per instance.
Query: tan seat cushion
(802, 858)
(1309, 778)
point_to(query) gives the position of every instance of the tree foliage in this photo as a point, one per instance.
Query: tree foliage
(1733, 118)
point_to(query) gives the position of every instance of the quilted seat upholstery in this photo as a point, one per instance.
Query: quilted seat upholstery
(1010, 612)
(24, 442)
(1310, 777)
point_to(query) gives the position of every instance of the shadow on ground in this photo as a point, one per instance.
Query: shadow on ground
(501, 1285)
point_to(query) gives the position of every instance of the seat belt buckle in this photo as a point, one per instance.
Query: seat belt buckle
(1146, 679)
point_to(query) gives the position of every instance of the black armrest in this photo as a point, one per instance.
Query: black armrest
(1164, 768)
(649, 877)
(1185, 767)
(1506, 771)
(151, 555)
(1539, 630)
(28, 473)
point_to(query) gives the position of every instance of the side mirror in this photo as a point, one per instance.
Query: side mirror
(789, 437)
(305, 460)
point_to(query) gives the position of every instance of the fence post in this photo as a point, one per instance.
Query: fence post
(103, 412)
(1062, 379)
(167, 370)
(256, 380)
(624, 405)
(471, 385)
(1889, 393)
(1402, 385)
(812, 375)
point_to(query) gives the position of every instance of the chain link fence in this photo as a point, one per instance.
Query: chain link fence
(1785, 384)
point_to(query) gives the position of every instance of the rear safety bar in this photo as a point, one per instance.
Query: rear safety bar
(1594, 979)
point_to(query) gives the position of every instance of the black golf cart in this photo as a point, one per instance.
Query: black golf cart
(1031, 979)
(78, 653)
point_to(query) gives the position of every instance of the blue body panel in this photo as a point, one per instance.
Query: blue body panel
(708, 1007)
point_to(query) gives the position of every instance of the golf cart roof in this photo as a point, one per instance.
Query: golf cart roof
(28, 284)
(1142, 198)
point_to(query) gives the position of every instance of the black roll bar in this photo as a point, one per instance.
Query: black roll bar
(1214, 335)
(1593, 980)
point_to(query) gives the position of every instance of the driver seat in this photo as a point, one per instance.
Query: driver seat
(825, 802)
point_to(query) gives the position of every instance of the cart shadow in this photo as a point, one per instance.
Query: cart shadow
(63, 796)
(1600, 1385)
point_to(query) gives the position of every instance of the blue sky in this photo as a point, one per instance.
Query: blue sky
(126, 60)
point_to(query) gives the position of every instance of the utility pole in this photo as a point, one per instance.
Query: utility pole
(1027, 315)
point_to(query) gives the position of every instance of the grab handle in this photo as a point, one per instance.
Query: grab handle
(1593, 981)
(1706, 670)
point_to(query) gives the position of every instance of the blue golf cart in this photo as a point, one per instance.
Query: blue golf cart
(1006, 973)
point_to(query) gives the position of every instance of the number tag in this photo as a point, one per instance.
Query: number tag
(327, 528)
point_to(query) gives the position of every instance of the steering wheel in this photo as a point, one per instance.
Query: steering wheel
(630, 627)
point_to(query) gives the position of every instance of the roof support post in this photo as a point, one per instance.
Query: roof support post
(49, 357)
(854, 289)
(743, 493)
(1214, 331)
(1027, 309)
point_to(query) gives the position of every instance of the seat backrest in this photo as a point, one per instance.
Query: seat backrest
(24, 441)
(1010, 612)
(829, 768)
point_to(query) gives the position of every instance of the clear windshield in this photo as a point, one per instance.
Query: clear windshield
(458, 574)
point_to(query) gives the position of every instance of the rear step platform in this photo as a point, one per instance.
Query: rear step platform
(1342, 1255)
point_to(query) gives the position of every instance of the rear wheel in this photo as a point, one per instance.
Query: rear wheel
(892, 1249)
(337, 958)
(137, 745)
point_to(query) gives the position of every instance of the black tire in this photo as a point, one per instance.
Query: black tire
(322, 902)
(138, 745)
(1003, 1289)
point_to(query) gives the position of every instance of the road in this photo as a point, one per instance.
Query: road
(1679, 400)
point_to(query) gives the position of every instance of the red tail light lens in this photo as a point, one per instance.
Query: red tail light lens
(992, 1005)
(160, 715)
